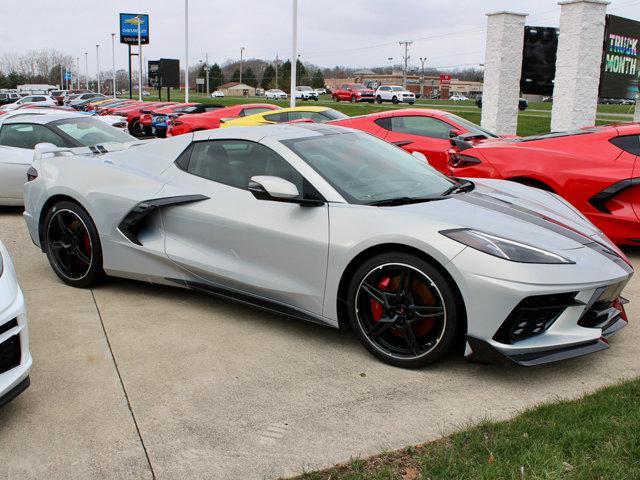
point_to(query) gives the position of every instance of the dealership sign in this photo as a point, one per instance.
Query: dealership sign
(539, 60)
(620, 60)
(129, 28)
(445, 79)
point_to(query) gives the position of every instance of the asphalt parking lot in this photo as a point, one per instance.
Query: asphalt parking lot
(134, 381)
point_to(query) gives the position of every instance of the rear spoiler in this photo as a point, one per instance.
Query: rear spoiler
(44, 150)
(463, 142)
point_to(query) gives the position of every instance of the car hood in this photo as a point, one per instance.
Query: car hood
(516, 212)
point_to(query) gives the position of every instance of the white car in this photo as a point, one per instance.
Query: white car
(20, 134)
(395, 94)
(146, 94)
(458, 97)
(320, 91)
(275, 94)
(113, 120)
(217, 94)
(15, 359)
(306, 93)
(29, 100)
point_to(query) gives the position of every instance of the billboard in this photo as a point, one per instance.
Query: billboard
(620, 59)
(129, 28)
(539, 60)
(153, 73)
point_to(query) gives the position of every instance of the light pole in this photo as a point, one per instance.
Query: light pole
(78, 72)
(139, 57)
(186, 51)
(113, 62)
(277, 61)
(390, 64)
(86, 70)
(98, 65)
(294, 54)
(241, 50)
(206, 66)
(61, 78)
(422, 60)
(406, 60)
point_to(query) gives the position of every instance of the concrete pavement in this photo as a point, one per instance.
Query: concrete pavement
(139, 381)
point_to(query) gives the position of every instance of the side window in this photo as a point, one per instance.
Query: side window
(253, 110)
(25, 135)
(277, 117)
(628, 143)
(315, 116)
(422, 126)
(384, 123)
(234, 162)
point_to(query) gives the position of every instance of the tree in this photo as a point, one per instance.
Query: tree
(3, 80)
(317, 81)
(216, 78)
(14, 79)
(249, 78)
(236, 75)
(268, 77)
(284, 75)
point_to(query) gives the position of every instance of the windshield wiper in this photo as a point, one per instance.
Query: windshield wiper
(466, 186)
(391, 202)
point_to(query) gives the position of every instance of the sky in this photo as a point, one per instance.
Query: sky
(358, 33)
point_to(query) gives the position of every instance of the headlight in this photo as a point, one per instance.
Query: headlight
(503, 247)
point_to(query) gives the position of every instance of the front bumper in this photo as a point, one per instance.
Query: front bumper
(15, 358)
(495, 290)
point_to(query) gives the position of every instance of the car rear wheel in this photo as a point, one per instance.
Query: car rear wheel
(72, 245)
(402, 309)
(137, 129)
(353, 99)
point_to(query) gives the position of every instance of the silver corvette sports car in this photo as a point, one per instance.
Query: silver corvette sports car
(337, 227)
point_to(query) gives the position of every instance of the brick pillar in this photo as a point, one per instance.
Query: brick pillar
(502, 69)
(575, 92)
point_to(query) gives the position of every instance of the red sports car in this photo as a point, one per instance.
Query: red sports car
(133, 113)
(419, 130)
(205, 121)
(154, 121)
(595, 169)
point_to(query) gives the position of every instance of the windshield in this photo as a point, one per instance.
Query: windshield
(332, 114)
(365, 169)
(89, 131)
(304, 89)
(472, 127)
(358, 87)
(397, 89)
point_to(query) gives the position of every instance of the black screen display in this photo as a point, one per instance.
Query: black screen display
(539, 60)
(620, 59)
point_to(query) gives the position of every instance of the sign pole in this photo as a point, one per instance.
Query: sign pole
(113, 61)
(186, 51)
(130, 82)
(139, 60)
(294, 54)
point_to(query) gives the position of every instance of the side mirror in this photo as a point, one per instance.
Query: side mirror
(453, 133)
(265, 187)
(420, 156)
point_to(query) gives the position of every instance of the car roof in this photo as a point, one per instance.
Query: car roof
(280, 131)
(42, 119)
(299, 109)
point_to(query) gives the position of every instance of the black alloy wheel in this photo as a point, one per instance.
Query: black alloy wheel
(379, 99)
(402, 309)
(137, 129)
(395, 100)
(72, 245)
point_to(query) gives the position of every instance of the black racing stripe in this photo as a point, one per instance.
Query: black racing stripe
(522, 213)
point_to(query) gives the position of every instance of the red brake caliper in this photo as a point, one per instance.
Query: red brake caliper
(377, 310)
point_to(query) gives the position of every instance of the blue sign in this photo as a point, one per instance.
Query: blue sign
(67, 75)
(129, 28)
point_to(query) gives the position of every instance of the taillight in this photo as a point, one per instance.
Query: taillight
(32, 174)
(458, 160)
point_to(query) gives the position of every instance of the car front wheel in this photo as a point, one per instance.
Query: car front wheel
(335, 98)
(72, 245)
(379, 99)
(353, 99)
(402, 309)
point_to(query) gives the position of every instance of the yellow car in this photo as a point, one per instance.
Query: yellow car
(295, 114)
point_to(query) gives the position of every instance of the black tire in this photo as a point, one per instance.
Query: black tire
(80, 236)
(316, 99)
(394, 100)
(399, 322)
(136, 129)
(353, 99)
(379, 99)
(335, 98)
(411, 103)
